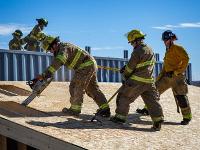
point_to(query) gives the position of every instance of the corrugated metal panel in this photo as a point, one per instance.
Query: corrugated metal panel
(25, 65)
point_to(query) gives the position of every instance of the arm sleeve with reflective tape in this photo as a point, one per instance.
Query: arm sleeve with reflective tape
(11, 44)
(56, 64)
(132, 63)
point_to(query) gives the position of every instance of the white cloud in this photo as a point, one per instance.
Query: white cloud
(161, 28)
(108, 48)
(6, 29)
(190, 25)
(180, 25)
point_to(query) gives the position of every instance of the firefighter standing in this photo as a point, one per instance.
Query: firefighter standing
(173, 75)
(84, 79)
(17, 42)
(139, 81)
(34, 38)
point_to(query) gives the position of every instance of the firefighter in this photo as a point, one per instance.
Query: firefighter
(84, 79)
(138, 75)
(34, 38)
(173, 75)
(17, 41)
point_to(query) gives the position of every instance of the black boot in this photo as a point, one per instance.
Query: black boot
(70, 112)
(185, 121)
(117, 120)
(104, 112)
(157, 125)
(143, 111)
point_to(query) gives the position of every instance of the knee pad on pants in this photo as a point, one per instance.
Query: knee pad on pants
(182, 101)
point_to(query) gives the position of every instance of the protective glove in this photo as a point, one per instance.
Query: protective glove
(32, 82)
(122, 69)
(169, 74)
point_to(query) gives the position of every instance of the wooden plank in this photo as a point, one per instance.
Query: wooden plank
(137, 133)
(21, 146)
(3, 143)
(33, 138)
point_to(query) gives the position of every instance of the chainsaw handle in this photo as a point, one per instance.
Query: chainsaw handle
(29, 82)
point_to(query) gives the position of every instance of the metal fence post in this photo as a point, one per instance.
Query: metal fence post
(5, 66)
(125, 54)
(88, 49)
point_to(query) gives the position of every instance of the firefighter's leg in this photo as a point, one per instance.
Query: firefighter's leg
(180, 90)
(185, 109)
(162, 85)
(77, 89)
(125, 97)
(151, 99)
(97, 95)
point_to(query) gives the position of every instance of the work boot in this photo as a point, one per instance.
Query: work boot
(143, 111)
(157, 125)
(104, 112)
(70, 112)
(117, 120)
(185, 121)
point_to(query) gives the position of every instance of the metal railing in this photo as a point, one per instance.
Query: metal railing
(25, 65)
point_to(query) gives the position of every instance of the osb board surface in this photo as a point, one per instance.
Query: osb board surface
(136, 134)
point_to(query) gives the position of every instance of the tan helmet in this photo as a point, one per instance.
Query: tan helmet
(48, 40)
(134, 34)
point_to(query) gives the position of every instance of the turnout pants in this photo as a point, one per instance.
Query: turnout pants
(85, 81)
(180, 90)
(130, 91)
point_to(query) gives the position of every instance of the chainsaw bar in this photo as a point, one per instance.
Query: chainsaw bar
(39, 86)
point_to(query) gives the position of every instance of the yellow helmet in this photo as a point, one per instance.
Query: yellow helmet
(134, 34)
(48, 40)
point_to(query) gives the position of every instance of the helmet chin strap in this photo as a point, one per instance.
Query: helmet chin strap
(137, 42)
(170, 44)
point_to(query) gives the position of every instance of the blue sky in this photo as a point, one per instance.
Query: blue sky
(102, 24)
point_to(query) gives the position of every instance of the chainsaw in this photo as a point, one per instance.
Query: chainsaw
(37, 89)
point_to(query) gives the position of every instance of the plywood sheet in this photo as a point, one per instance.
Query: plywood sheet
(136, 134)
